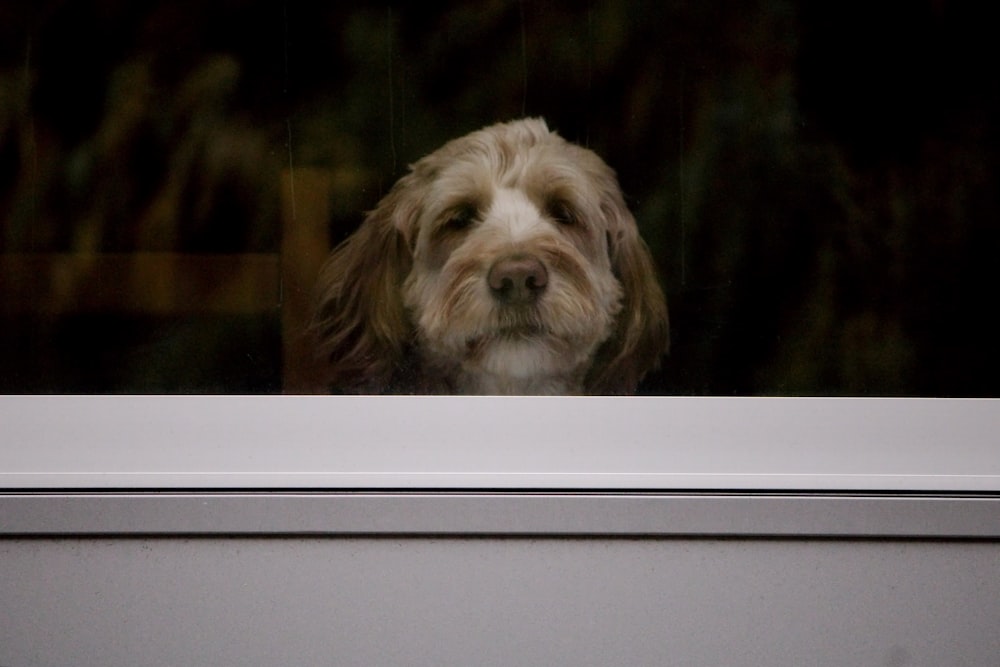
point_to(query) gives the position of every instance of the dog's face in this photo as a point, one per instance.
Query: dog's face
(507, 264)
(511, 282)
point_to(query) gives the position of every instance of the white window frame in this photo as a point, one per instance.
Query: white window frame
(488, 443)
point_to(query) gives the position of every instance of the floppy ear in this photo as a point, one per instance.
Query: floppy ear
(642, 332)
(361, 329)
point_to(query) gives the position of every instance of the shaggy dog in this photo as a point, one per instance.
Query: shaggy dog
(506, 262)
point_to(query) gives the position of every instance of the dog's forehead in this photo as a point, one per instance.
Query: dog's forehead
(482, 162)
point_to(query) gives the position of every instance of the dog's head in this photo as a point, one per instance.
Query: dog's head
(504, 262)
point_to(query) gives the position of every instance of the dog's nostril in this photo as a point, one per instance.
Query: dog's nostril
(517, 279)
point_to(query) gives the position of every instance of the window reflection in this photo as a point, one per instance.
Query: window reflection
(817, 182)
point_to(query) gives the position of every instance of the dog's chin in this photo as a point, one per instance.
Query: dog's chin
(513, 350)
(528, 334)
(519, 343)
(527, 352)
(520, 361)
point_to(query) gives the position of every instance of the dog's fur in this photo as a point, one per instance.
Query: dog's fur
(506, 262)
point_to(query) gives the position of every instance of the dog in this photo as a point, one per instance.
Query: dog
(505, 262)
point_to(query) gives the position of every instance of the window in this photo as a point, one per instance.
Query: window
(823, 220)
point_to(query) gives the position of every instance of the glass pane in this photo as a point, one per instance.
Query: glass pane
(816, 185)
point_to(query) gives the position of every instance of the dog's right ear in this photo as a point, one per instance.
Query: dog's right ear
(642, 335)
(360, 327)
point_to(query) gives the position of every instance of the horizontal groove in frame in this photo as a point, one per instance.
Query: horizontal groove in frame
(501, 514)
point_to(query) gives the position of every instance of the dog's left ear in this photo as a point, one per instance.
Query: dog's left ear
(642, 333)
(360, 328)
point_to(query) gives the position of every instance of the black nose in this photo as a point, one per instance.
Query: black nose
(517, 279)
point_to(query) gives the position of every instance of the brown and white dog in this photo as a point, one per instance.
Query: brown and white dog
(505, 262)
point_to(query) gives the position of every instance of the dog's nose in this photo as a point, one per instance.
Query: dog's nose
(517, 279)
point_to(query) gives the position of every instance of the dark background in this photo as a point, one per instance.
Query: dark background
(817, 180)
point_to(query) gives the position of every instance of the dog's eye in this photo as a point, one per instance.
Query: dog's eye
(460, 218)
(562, 212)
